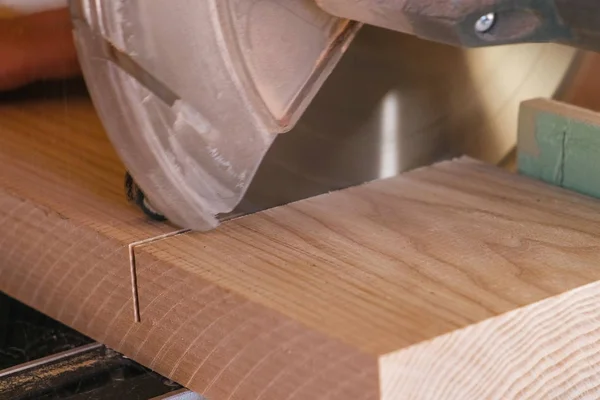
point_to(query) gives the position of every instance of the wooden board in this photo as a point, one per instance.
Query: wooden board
(457, 281)
(559, 144)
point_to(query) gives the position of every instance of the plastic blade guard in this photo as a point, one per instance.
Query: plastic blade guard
(193, 92)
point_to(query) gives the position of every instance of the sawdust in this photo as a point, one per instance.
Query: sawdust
(50, 371)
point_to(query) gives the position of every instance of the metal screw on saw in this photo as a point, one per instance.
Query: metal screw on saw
(135, 194)
(485, 23)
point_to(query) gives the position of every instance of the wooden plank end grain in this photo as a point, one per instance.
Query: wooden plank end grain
(428, 285)
(548, 350)
(559, 144)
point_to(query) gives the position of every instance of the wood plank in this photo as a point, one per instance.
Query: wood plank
(453, 281)
(559, 144)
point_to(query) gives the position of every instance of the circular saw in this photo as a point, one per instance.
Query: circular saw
(193, 93)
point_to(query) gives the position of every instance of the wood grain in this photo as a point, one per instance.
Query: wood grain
(455, 281)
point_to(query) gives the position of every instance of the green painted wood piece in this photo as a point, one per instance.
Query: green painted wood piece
(560, 144)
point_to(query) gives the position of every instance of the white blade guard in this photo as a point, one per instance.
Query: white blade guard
(193, 92)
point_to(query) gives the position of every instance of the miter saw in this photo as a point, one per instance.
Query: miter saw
(194, 92)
